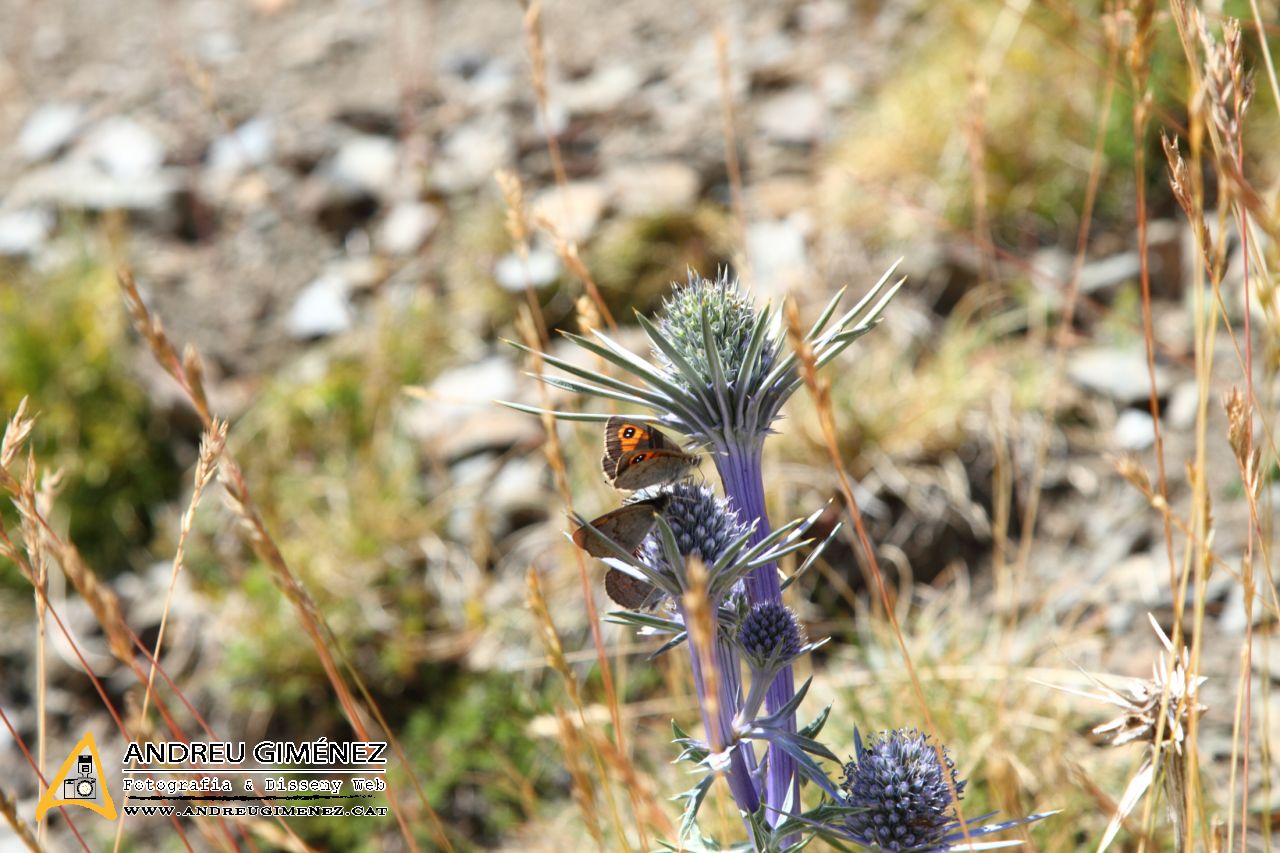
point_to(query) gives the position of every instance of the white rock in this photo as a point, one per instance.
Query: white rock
(1118, 374)
(1134, 430)
(457, 395)
(365, 164)
(470, 155)
(515, 273)
(47, 130)
(794, 117)
(492, 85)
(554, 121)
(220, 47)
(248, 146)
(494, 428)
(481, 82)
(122, 148)
(1184, 402)
(777, 253)
(772, 55)
(80, 184)
(1107, 273)
(360, 271)
(1050, 271)
(823, 15)
(1233, 619)
(602, 91)
(521, 483)
(573, 209)
(407, 227)
(322, 308)
(696, 77)
(23, 232)
(653, 187)
(479, 383)
(839, 85)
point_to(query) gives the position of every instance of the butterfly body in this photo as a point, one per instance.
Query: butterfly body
(637, 456)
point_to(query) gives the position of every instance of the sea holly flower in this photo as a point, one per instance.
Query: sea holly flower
(721, 359)
(770, 632)
(900, 792)
(722, 375)
(907, 791)
(704, 526)
(769, 637)
(696, 524)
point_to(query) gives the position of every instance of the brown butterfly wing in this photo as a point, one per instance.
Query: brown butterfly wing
(626, 527)
(640, 469)
(631, 593)
(622, 436)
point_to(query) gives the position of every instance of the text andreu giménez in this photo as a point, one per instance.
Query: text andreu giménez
(311, 753)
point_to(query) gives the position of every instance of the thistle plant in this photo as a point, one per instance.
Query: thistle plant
(901, 790)
(720, 373)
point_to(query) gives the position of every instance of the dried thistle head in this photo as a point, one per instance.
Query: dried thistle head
(1156, 712)
(1172, 686)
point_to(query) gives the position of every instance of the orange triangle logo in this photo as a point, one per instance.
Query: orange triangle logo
(79, 782)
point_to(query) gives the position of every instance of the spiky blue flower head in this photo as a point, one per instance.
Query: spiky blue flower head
(771, 631)
(722, 370)
(906, 791)
(704, 525)
(730, 314)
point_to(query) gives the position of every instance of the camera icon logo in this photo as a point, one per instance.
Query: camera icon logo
(84, 785)
(79, 782)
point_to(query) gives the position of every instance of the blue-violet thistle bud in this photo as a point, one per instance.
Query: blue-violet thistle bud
(906, 791)
(770, 632)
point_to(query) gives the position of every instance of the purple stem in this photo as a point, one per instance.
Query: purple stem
(730, 670)
(739, 774)
(743, 481)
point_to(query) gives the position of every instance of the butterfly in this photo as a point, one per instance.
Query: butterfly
(630, 592)
(637, 456)
(626, 526)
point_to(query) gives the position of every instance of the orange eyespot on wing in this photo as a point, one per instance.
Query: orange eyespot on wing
(630, 436)
(623, 436)
(638, 455)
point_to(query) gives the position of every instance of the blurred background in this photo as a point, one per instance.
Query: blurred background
(305, 191)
